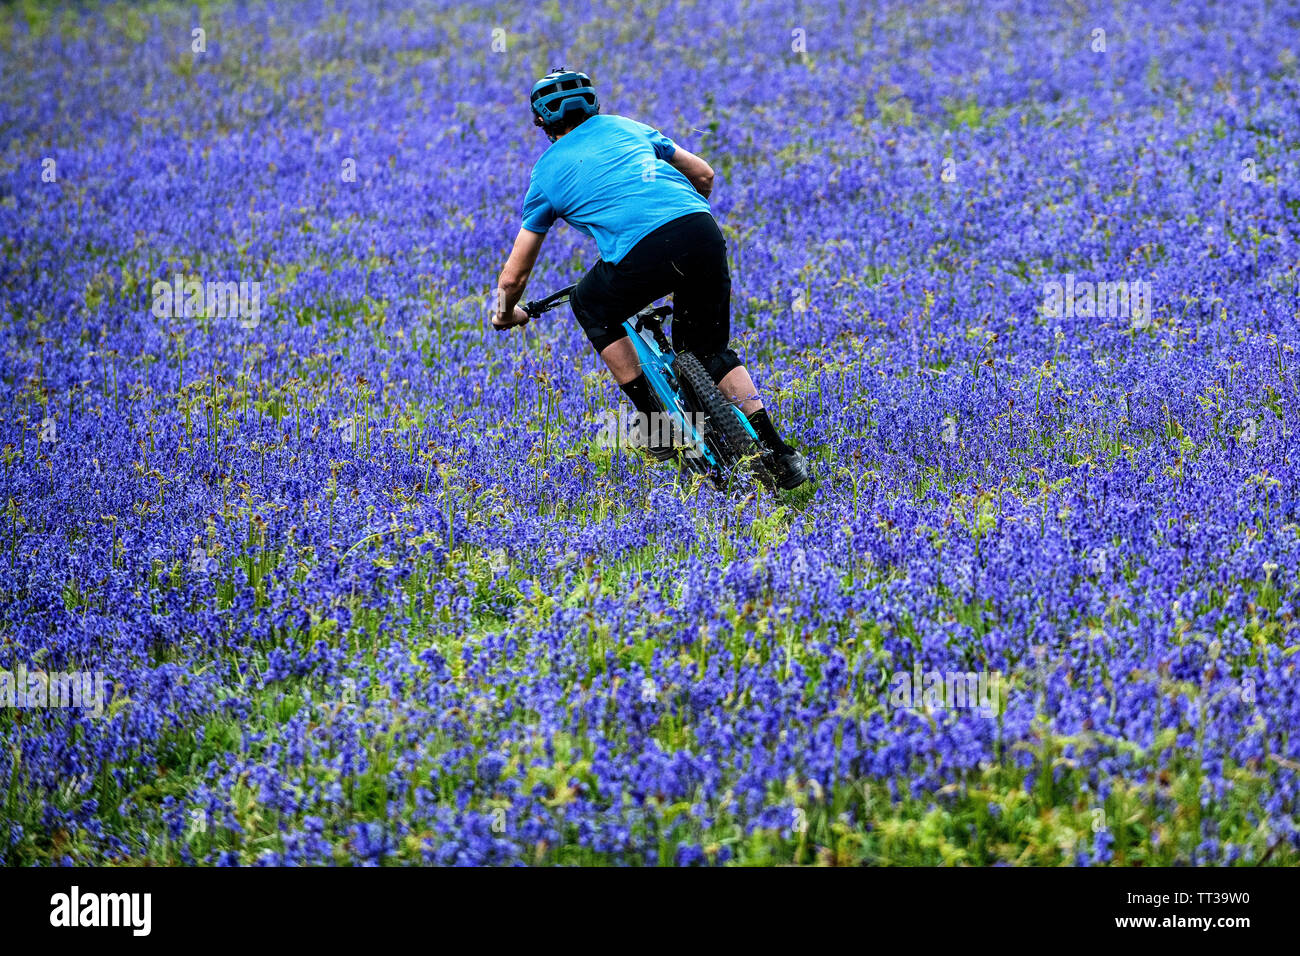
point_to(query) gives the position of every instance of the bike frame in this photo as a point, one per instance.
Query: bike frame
(657, 358)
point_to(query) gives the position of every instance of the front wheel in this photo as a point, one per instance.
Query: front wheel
(732, 446)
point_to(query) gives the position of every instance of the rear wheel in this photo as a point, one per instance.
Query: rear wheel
(726, 437)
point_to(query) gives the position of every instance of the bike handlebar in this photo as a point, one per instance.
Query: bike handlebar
(539, 306)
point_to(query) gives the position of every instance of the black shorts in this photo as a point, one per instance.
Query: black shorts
(686, 258)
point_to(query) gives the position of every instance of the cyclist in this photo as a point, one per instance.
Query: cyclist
(645, 202)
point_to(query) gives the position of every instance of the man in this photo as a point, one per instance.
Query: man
(645, 202)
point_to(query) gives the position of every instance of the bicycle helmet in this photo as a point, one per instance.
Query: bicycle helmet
(562, 92)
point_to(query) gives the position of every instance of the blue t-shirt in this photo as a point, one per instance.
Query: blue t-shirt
(609, 178)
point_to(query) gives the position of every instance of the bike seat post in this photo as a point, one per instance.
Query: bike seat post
(655, 321)
(645, 319)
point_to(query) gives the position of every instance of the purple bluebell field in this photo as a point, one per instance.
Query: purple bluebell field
(361, 584)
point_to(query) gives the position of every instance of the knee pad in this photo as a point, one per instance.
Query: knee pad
(718, 364)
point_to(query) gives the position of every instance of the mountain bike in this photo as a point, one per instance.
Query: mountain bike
(715, 437)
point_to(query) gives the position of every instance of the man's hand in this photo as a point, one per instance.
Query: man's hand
(517, 316)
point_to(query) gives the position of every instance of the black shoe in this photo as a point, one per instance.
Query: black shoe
(789, 470)
(652, 445)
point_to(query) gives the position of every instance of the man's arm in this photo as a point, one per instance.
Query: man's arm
(694, 169)
(514, 278)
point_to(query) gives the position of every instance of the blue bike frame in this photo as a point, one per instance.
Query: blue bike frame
(657, 360)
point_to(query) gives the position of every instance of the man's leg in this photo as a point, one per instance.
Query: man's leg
(620, 356)
(737, 384)
(603, 299)
(624, 365)
(702, 325)
(739, 387)
(600, 302)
